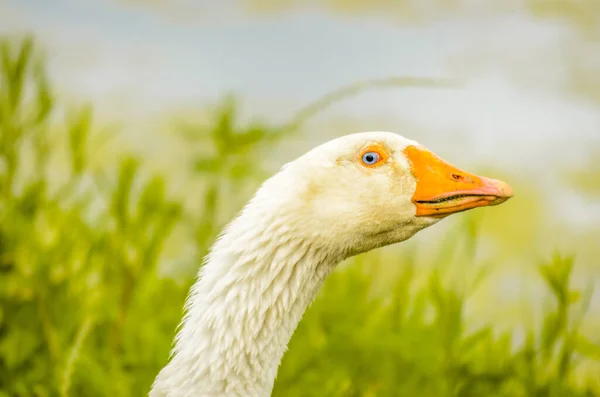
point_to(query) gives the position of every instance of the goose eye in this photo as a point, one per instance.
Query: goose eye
(370, 158)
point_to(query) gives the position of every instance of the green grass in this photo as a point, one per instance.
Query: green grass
(87, 310)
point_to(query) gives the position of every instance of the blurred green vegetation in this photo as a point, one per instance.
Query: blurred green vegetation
(87, 308)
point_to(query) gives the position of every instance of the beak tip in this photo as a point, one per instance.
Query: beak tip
(504, 191)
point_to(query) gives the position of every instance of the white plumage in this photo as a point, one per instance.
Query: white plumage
(268, 264)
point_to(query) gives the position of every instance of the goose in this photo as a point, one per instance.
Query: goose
(347, 196)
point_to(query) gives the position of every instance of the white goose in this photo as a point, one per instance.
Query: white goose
(347, 196)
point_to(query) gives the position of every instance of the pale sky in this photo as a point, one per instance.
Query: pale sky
(136, 63)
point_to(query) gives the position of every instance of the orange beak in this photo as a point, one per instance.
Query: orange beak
(443, 189)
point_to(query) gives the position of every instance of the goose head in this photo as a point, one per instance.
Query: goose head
(367, 190)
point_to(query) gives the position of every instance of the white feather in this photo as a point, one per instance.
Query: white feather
(268, 264)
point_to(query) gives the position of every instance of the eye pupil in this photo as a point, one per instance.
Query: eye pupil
(370, 158)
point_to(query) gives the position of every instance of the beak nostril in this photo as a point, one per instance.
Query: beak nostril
(457, 177)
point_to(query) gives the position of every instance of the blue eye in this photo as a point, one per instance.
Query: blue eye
(370, 158)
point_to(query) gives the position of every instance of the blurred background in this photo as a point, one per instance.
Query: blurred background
(131, 131)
